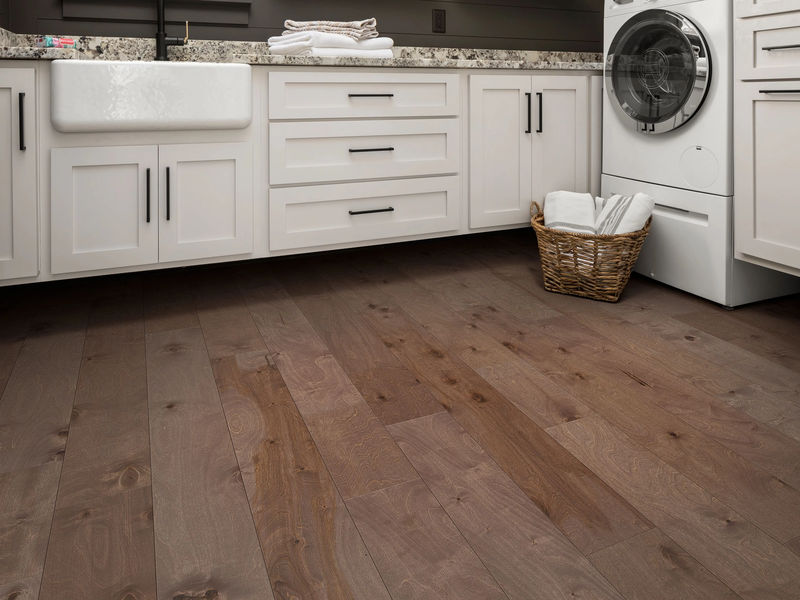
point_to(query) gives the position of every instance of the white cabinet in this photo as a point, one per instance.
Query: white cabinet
(386, 146)
(529, 135)
(19, 255)
(766, 111)
(767, 181)
(137, 205)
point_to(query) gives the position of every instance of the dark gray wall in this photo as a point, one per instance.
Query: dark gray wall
(4, 14)
(509, 24)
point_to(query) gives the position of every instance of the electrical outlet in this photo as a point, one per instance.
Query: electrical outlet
(439, 21)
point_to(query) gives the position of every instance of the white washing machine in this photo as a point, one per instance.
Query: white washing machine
(668, 132)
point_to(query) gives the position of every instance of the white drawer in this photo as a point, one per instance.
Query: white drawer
(768, 47)
(323, 215)
(315, 152)
(753, 8)
(316, 95)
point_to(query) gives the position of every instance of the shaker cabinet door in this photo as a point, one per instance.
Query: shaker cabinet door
(103, 212)
(561, 135)
(500, 130)
(206, 200)
(19, 256)
(767, 182)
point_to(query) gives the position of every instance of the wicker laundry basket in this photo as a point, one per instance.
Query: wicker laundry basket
(591, 266)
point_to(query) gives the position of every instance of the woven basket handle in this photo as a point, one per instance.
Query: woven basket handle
(538, 208)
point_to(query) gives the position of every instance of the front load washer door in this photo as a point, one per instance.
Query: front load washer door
(658, 71)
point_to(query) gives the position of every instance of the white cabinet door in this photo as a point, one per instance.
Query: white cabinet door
(561, 135)
(206, 200)
(767, 181)
(103, 213)
(19, 245)
(501, 126)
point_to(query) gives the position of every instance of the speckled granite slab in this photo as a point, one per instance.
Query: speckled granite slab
(15, 46)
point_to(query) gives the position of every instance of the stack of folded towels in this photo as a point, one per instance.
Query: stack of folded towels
(332, 38)
(581, 213)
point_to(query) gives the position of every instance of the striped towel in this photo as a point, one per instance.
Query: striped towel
(624, 214)
(358, 30)
(569, 211)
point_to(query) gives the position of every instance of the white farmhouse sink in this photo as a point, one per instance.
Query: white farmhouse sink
(97, 95)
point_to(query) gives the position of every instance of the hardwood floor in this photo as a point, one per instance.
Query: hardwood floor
(420, 420)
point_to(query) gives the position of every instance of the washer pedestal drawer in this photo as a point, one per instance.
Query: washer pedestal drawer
(305, 217)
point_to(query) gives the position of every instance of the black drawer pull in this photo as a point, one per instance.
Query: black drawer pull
(528, 94)
(779, 91)
(368, 212)
(148, 195)
(541, 109)
(167, 193)
(22, 147)
(789, 47)
(370, 95)
(388, 149)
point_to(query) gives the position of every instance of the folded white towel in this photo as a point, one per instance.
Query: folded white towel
(305, 40)
(569, 211)
(624, 214)
(358, 30)
(335, 52)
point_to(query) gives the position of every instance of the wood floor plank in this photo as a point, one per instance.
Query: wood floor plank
(310, 543)
(168, 302)
(389, 388)
(206, 541)
(591, 515)
(771, 317)
(14, 323)
(228, 327)
(794, 546)
(742, 556)
(358, 451)
(27, 500)
(108, 449)
(36, 404)
(767, 407)
(24, 589)
(651, 566)
(102, 548)
(522, 549)
(418, 550)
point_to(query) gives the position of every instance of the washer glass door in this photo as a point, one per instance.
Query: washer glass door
(658, 71)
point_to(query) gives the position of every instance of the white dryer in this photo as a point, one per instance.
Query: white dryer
(668, 132)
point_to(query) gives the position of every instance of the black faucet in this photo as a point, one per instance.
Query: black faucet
(162, 41)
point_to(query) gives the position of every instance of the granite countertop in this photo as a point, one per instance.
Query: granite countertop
(18, 46)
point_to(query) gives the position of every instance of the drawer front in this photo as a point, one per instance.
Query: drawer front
(362, 95)
(753, 8)
(768, 47)
(315, 152)
(357, 212)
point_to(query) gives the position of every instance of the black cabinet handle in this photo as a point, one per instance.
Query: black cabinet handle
(528, 94)
(22, 122)
(148, 195)
(779, 91)
(367, 212)
(387, 149)
(541, 118)
(370, 95)
(167, 193)
(789, 47)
